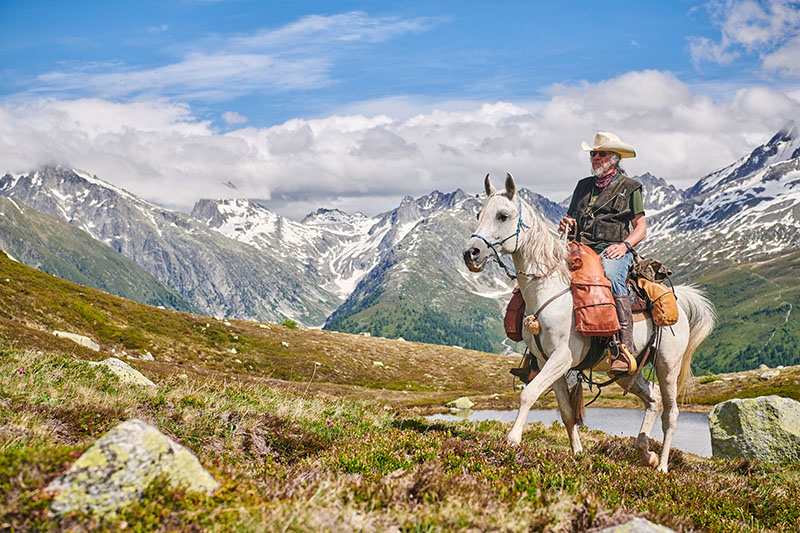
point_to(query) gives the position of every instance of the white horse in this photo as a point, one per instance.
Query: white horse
(507, 225)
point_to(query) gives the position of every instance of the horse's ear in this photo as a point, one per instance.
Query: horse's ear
(487, 184)
(511, 187)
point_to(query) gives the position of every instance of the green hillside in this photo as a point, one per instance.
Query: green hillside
(309, 430)
(58, 248)
(418, 293)
(759, 316)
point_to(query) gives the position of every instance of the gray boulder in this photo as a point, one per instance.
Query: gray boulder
(637, 525)
(84, 341)
(461, 403)
(765, 428)
(125, 372)
(119, 466)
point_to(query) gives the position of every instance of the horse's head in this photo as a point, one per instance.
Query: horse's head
(499, 225)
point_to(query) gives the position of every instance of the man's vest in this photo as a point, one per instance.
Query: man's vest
(608, 219)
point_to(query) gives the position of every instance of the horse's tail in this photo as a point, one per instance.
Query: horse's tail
(702, 317)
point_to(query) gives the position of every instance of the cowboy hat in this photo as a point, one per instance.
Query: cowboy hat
(608, 142)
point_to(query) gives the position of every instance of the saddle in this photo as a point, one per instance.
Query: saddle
(593, 303)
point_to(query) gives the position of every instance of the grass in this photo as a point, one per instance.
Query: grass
(305, 431)
(287, 462)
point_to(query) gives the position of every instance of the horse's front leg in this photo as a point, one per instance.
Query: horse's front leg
(556, 367)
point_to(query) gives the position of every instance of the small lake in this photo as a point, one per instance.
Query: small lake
(692, 434)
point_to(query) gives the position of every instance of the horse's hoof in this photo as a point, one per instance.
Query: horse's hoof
(662, 469)
(513, 441)
(650, 459)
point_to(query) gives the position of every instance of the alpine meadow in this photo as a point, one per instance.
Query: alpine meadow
(400, 266)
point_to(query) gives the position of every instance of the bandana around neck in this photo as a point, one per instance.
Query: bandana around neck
(601, 182)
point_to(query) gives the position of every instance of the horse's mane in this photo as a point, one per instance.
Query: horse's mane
(541, 250)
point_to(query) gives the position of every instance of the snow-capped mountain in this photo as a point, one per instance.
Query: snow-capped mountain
(217, 275)
(747, 210)
(658, 195)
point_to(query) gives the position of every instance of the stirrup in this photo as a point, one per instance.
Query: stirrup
(624, 354)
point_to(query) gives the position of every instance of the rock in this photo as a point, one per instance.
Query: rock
(119, 466)
(401, 339)
(84, 341)
(377, 363)
(125, 372)
(226, 323)
(232, 350)
(637, 525)
(461, 403)
(284, 344)
(10, 256)
(147, 356)
(365, 334)
(762, 366)
(765, 428)
(263, 326)
(769, 374)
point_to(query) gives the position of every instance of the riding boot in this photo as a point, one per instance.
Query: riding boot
(528, 370)
(624, 362)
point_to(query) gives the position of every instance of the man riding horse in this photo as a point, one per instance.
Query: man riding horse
(607, 214)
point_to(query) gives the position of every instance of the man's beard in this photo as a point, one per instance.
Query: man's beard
(603, 168)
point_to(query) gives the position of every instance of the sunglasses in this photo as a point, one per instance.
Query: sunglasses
(599, 153)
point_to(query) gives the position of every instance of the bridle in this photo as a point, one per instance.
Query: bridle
(493, 245)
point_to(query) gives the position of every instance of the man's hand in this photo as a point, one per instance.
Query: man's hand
(566, 224)
(615, 251)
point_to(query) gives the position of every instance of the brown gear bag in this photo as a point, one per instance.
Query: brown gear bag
(664, 304)
(515, 312)
(593, 302)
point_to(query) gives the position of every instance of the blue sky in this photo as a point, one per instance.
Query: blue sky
(251, 70)
(451, 50)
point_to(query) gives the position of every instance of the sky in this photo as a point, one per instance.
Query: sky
(356, 104)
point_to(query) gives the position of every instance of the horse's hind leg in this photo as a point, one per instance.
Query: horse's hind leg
(568, 415)
(668, 382)
(647, 392)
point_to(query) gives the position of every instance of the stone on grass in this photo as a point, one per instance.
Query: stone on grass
(762, 366)
(765, 428)
(83, 340)
(147, 356)
(119, 466)
(125, 372)
(461, 403)
(769, 374)
(637, 525)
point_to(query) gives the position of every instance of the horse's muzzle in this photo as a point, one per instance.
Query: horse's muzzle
(473, 260)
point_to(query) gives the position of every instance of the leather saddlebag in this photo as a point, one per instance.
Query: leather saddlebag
(593, 301)
(515, 312)
(664, 304)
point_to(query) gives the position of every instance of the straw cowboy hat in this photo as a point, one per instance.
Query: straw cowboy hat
(608, 142)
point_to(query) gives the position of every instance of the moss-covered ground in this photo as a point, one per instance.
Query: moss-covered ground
(288, 462)
(313, 430)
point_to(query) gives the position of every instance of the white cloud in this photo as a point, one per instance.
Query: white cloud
(159, 150)
(295, 56)
(232, 117)
(786, 59)
(748, 26)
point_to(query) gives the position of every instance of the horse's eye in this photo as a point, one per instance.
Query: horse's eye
(501, 217)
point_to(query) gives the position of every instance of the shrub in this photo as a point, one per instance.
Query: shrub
(289, 323)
